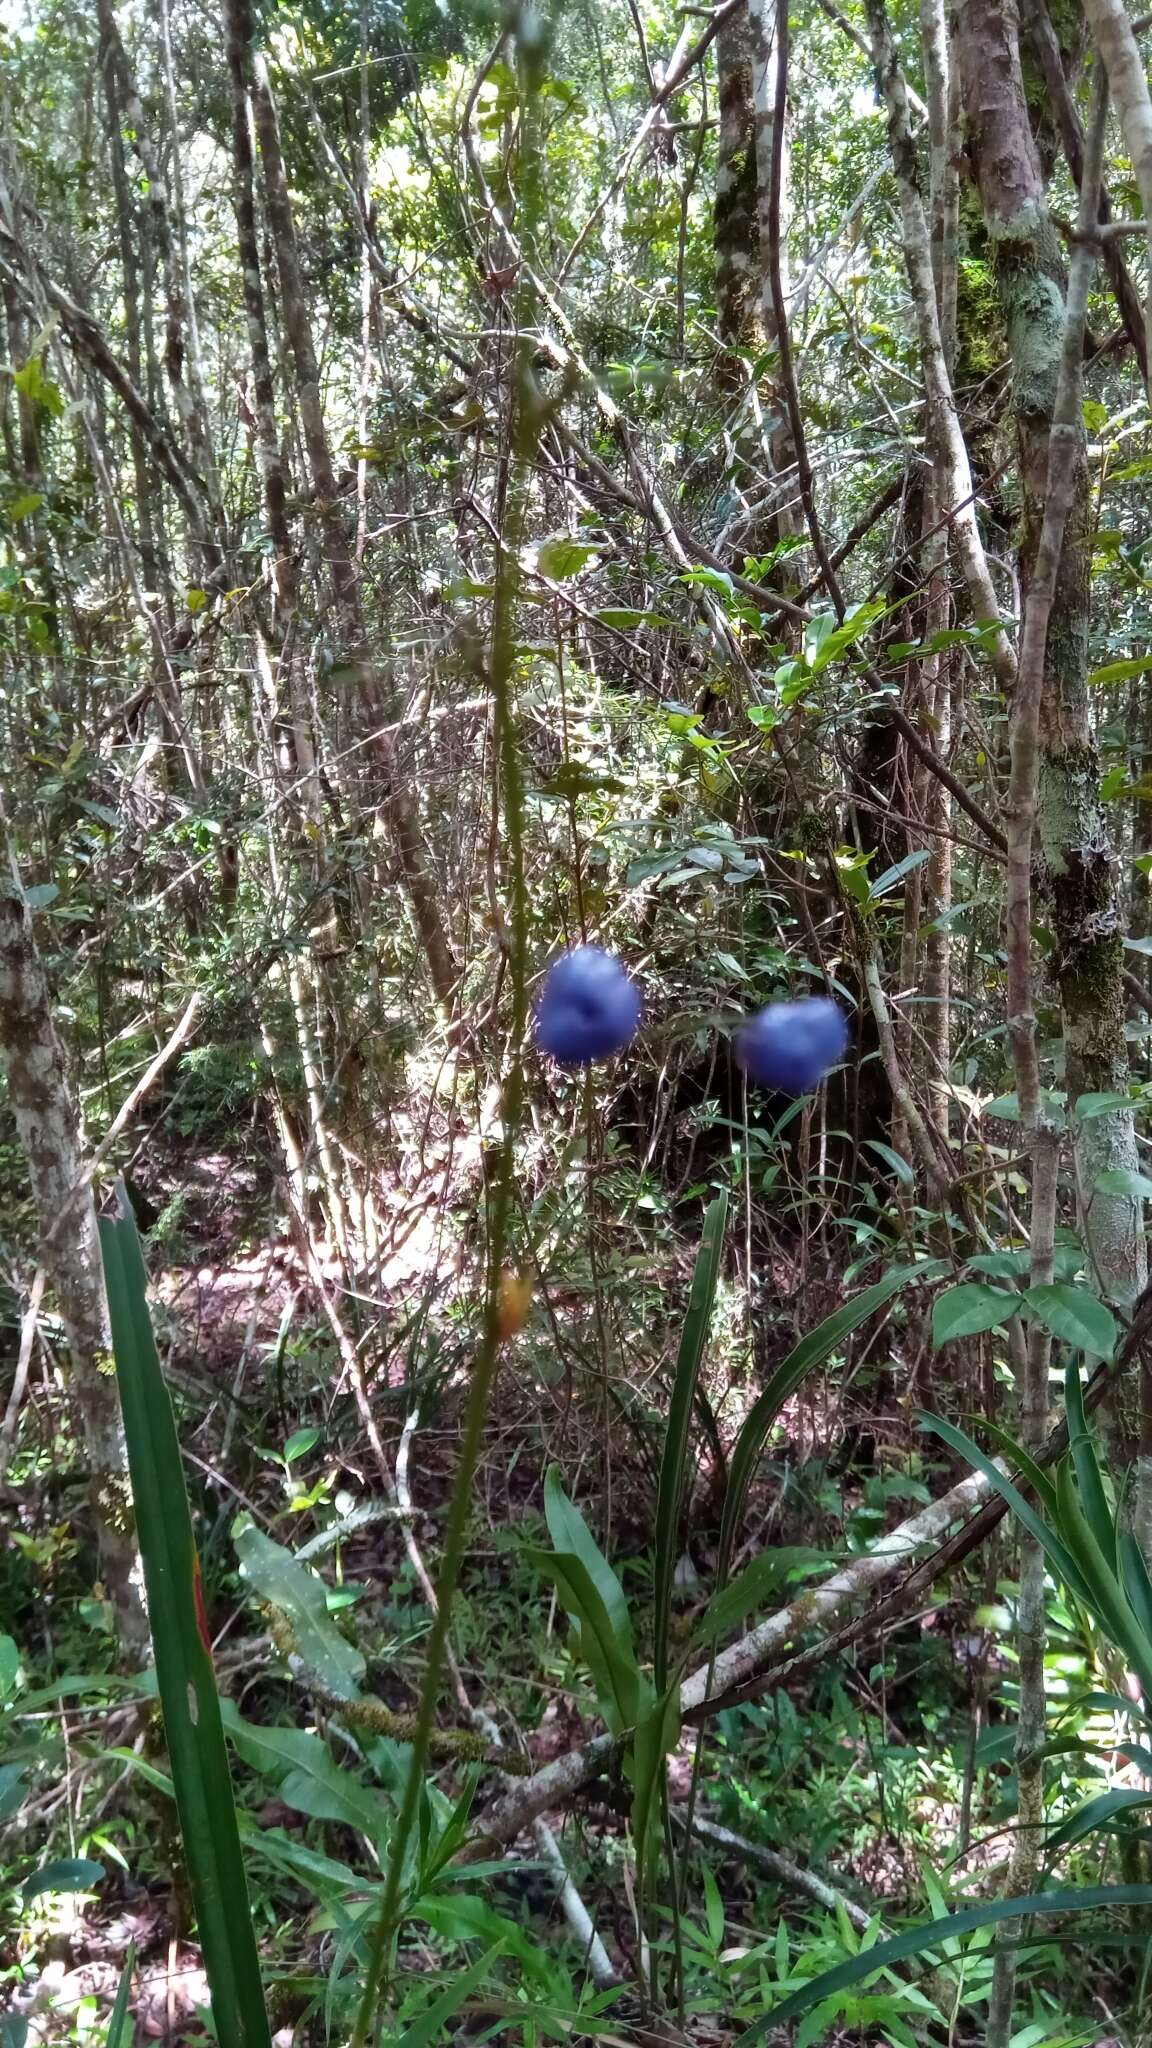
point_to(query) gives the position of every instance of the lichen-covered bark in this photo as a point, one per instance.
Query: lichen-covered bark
(1076, 868)
(746, 229)
(48, 1130)
(735, 216)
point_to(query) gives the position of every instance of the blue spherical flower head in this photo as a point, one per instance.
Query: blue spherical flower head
(790, 1046)
(588, 1008)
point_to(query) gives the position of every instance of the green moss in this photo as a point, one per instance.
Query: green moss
(980, 336)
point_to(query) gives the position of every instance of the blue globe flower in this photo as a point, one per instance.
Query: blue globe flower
(790, 1046)
(588, 1008)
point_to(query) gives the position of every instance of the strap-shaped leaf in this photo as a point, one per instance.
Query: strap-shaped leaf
(570, 1533)
(1055, 1549)
(1095, 1813)
(670, 1494)
(184, 1670)
(811, 1351)
(621, 1688)
(1083, 1453)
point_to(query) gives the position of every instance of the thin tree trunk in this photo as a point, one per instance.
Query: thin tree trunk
(952, 467)
(399, 805)
(1079, 867)
(48, 1129)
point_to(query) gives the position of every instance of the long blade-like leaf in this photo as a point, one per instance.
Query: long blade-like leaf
(1083, 1450)
(121, 2032)
(1055, 1549)
(184, 1669)
(812, 1350)
(670, 1495)
(917, 1940)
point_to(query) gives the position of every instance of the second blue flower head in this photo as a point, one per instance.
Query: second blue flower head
(791, 1046)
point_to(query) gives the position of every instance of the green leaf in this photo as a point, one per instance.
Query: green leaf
(300, 1443)
(1095, 1813)
(1119, 671)
(966, 1310)
(570, 1533)
(621, 1690)
(670, 1492)
(11, 1789)
(1007, 1108)
(1099, 1104)
(559, 559)
(120, 2028)
(811, 1351)
(895, 1160)
(925, 1939)
(427, 2026)
(1124, 1180)
(1082, 1452)
(299, 1594)
(1075, 1316)
(657, 1733)
(891, 876)
(9, 1665)
(1057, 1551)
(187, 1681)
(70, 1874)
(624, 619)
(727, 1608)
(307, 1776)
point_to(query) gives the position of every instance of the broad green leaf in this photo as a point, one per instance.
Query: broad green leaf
(1007, 1107)
(300, 1443)
(70, 1874)
(1086, 1107)
(559, 559)
(1123, 1180)
(306, 1775)
(926, 1939)
(966, 1310)
(187, 1681)
(11, 1789)
(621, 1690)
(570, 1533)
(9, 1666)
(1075, 1316)
(300, 1595)
(677, 1434)
(1001, 1265)
(1119, 671)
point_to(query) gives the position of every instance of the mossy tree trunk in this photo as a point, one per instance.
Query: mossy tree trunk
(48, 1128)
(1076, 861)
